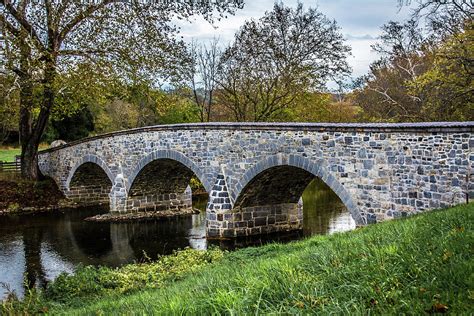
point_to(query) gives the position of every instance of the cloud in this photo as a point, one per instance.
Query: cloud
(359, 37)
(359, 20)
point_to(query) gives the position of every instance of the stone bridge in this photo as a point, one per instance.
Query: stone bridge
(255, 173)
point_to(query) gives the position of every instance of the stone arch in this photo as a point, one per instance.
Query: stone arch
(316, 168)
(89, 159)
(90, 181)
(171, 155)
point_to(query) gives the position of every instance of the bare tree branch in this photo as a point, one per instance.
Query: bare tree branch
(18, 16)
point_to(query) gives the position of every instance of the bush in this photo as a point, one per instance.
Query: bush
(94, 282)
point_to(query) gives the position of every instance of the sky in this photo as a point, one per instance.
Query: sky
(360, 22)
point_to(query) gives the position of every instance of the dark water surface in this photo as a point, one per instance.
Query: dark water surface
(37, 248)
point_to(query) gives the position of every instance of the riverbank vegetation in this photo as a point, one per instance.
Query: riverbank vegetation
(422, 264)
(19, 195)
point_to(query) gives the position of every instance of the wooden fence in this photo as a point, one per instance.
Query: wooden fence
(14, 166)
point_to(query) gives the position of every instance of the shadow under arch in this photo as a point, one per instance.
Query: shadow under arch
(315, 168)
(90, 181)
(89, 159)
(168, 155)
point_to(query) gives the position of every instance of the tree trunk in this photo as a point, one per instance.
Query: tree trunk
(209, 105)
(29, 169)
(201, 106)
(30, 131)
(29, 161)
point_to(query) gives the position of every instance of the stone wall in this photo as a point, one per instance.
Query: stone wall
(160, 202)
(379, 171)
(255, 220)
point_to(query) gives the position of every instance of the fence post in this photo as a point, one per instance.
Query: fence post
(18, 162)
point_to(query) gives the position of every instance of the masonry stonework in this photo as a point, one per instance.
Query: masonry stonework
(255, 173)
(89, 185)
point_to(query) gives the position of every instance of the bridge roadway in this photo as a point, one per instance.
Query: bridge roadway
(255, 173)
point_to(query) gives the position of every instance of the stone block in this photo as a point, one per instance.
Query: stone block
(260, 221)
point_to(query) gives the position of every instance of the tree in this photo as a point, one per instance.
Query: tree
(424, 74)
(202, 74)
(443, 17)
(116, 115)
(275, 59)
(307, 107)
(70, 128)
(8, 106)
(174, 106)
(319, 107)
(143, 96)
(384, 93)
(43, 38)
(138, 105)
(448, 86)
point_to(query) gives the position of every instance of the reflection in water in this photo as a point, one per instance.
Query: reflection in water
(44, 245)
(323, 211)
(32, 249)
(82, 231)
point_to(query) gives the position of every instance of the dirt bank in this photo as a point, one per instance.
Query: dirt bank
(16, 195)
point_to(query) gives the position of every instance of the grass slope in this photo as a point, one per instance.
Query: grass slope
(412, 266)
(8, 154)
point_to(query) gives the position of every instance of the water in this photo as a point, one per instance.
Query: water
(323, 211)
(41, 246)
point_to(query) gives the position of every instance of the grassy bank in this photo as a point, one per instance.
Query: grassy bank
(8, 153)
(422, 264)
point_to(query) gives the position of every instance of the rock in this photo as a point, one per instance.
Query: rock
(57, 143)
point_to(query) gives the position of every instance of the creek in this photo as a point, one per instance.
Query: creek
(36, 248)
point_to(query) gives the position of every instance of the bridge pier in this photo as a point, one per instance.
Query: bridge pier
(121, 202)
(255, 220)
(225, 221)
(118, 196)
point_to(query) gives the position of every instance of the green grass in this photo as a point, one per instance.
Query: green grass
(8, 153)
(419, 265)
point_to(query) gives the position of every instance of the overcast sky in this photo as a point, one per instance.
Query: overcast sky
(360, 22)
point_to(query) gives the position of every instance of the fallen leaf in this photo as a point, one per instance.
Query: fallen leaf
(438, 308)
(446, 255)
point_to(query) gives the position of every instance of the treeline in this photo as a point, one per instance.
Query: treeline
(92, 75)
(426, 68)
